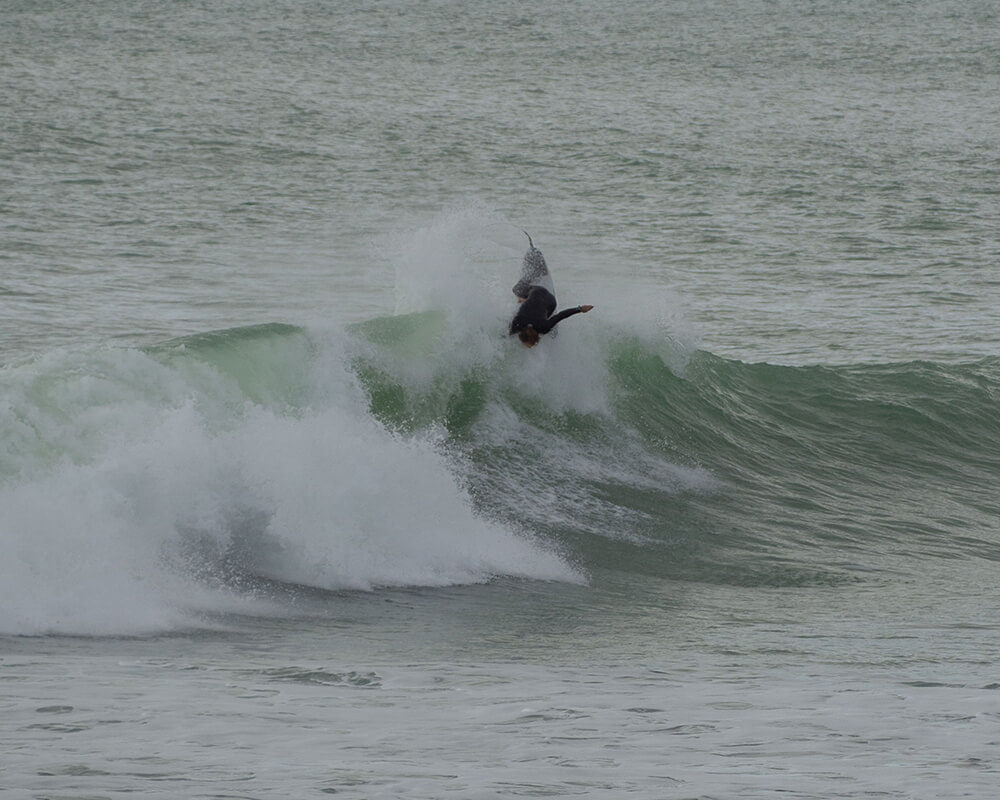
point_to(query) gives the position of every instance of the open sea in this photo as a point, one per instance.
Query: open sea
(284, 513)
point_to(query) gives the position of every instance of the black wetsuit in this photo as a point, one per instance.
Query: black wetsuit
(537, 312)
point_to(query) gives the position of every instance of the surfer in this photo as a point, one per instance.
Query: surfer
(536, 294)
(536, 316)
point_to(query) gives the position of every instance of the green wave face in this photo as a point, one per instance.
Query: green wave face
(719, 470)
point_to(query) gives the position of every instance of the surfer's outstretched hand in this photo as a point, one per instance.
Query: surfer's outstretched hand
(585, 309)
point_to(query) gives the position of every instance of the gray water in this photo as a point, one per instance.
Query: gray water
(793, 182)
(817, 181)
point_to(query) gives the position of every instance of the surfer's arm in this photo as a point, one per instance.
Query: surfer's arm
(551, 322)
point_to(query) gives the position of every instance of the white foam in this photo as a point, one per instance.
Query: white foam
(139, 521)
(456, 261)
(464, 263)
(355, 506)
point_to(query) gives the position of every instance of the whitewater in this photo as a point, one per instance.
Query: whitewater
(284, 512)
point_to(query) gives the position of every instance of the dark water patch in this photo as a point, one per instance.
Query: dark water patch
(75, 770)
(320, 677)
(57, 727)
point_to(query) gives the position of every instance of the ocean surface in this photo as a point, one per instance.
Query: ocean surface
(285, 514)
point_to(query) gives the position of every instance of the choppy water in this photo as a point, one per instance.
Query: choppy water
(283, 512)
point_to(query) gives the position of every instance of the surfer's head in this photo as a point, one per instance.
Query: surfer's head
(528, 336)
